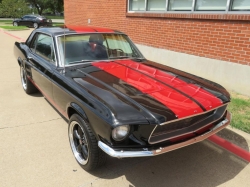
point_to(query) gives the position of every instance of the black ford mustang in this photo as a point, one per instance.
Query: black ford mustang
(115, 100)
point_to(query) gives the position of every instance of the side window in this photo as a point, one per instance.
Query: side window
(33, 43)
(44, 47)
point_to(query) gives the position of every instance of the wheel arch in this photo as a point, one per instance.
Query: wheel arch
(74, 108)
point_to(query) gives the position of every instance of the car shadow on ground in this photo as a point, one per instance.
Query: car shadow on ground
(37, 94)
(235, 138)
(203, 164)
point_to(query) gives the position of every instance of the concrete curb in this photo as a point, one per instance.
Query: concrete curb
(242, 153)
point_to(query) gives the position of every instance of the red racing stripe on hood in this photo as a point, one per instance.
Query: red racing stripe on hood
(206, 99)
(181, 105)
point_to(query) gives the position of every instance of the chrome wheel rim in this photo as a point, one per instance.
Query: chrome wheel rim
(78, 142)
(35, 25)
(23, 78)
(15, 24)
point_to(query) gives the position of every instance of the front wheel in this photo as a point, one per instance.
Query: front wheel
(84, 144)
(15, 24)
(35, 25)
(28, 87)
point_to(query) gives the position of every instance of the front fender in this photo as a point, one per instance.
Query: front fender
(78, 109)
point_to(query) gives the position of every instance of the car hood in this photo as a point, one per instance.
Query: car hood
(135, 91)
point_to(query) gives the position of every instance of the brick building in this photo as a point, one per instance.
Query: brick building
(209, 38)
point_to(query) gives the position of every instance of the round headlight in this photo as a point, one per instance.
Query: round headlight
(120, 132)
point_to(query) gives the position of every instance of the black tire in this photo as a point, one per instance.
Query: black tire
(15, 24)
(84, 144)
(28, 87)
(35, 25)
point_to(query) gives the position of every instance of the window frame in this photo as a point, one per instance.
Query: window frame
(34, 39)
(193, 11)
(61, 62)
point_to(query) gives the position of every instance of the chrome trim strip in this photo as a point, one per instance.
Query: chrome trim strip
(161, 150)
(61, 61)
(186, 118)
(202, 137)
(194, 115)
(123, 154)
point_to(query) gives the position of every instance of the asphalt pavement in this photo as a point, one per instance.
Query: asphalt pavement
(35, 151)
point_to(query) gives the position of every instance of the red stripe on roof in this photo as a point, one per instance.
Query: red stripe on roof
(80, 29)
(100, 29)
(181, 105)
(206, 99)
(83, 29)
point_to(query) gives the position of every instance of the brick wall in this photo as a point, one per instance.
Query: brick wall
(223, 37)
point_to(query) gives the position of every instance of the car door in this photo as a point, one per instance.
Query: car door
(43, 63)
(22, 21)
(25, 20)
(33, 19)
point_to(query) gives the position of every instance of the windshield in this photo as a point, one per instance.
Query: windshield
(91, 47)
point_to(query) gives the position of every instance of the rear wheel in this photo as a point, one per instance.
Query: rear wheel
(35, 25)
(84, 144)
(28, 87)
(15, 24)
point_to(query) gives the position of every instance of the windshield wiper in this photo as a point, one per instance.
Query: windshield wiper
(139, 59)
(117, 57)
(80, 61)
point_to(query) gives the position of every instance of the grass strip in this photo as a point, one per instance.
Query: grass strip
(7, 21)
(240, 109)
(12, 28)
(57, 24)
(54, 17)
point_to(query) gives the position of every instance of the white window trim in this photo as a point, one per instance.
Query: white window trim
(193, 11)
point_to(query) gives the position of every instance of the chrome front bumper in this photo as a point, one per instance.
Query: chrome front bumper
(145, 152)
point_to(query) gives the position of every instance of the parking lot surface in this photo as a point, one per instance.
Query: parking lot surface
(35, 151)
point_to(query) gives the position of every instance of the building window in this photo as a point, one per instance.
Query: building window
(211, 5)
(137, 5)
(180, 5)
(156, 5)
(189, 5)
(241, 5)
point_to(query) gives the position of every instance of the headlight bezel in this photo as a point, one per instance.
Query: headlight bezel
(116, 130)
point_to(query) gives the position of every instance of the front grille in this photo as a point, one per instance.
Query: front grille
(187, 127)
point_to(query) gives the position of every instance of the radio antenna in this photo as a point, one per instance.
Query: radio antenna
(64, 60)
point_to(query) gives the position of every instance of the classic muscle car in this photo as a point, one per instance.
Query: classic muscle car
(116, 101)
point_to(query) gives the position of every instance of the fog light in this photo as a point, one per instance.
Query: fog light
(120, 132)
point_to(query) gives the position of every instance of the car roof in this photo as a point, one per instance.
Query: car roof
(32, 15)
(55, 31)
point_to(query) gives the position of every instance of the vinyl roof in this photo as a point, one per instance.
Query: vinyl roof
(76, 29)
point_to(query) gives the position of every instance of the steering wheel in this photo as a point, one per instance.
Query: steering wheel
(119, 50)
(114, 51)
